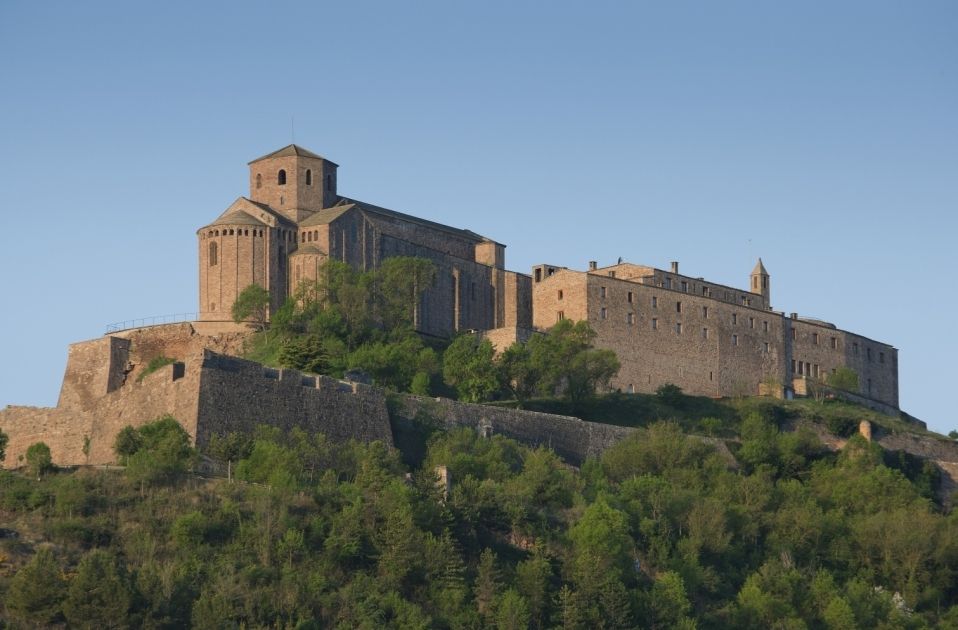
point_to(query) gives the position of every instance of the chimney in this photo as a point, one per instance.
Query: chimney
(593, 265)
(675, 266)
(794, 315)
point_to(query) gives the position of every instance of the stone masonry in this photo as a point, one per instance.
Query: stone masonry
(207, 392)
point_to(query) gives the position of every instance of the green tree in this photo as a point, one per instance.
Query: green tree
(843, 378)
(99, 596)
(518, 373)
(468, 366)
(487, 583)
(36, 591)
(569, 363)
(4, 440)
(512, 611)
(157, 453)
(252, 304)
(533, 577)
(39, 460)
(401, 282)
(602, 544)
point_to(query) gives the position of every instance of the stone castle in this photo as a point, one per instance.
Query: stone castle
(665, 327)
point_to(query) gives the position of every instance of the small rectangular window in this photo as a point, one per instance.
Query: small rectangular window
(655, 324)
(751, 322)
(678, 328)
(602, 292)
(793, 366)
(705, 312)
(734, 340)
(855, 348)
(794, 335)
(668, 283)
(685, 286)
(705, 333)
(881, 357)
(630, 318)
(834, 343)
(868, 352)
(815, 338)
(655, 302)
(678, 307)
(560, 294)
(744, 300)
(560, 316)
(734, 318)
(705, 291)
(801, 367)
(631, 297)
(603, 313)
(765, 326)
(815, 370)
(766, 347)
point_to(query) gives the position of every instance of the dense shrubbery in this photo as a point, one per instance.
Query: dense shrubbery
(662, 532)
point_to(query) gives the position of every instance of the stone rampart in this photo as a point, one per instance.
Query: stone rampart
(236, 395)
(205, 391)
(571, 438)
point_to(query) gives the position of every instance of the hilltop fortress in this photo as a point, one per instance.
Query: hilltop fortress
(665, 327)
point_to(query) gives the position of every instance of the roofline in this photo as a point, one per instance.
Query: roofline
(314, 156)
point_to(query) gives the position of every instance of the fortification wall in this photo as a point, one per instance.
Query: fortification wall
(95, 422)
(236, 395)
(61, 430)
(571, 438)
(178, 341)
(94, 368)
(205, 391)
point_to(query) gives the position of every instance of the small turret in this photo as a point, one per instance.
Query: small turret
(760, 283)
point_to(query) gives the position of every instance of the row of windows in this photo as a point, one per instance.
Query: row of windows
(232, 232)
(281, 179)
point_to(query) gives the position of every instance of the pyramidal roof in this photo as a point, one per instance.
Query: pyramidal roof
(291, 150)
(759, 269)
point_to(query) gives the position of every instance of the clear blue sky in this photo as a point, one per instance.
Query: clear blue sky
(822, 136)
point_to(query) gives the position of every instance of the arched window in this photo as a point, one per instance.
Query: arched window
(213, 254)
(245, 232)
(259, 180)
(315, 235)
(281, 177)
(309, 177)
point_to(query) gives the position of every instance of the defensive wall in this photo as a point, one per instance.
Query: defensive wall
(105, 389)
(571, 438)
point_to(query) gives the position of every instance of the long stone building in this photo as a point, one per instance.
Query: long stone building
(665, 327)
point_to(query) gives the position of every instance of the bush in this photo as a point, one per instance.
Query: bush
(155, 364)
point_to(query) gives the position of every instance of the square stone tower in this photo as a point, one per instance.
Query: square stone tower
(293, 181)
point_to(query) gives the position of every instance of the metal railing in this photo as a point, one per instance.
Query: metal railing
(156, 320)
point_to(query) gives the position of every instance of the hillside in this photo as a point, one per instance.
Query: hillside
(664, 530)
